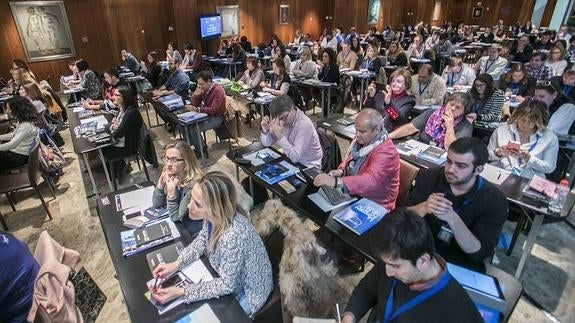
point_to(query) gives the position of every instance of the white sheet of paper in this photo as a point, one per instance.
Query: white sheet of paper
(197, 272)
(325, 205)
(417, 147)
(78, 109)
(473, 279)
(101, 120)
(135, 198)
(494, 174)
(350, 128)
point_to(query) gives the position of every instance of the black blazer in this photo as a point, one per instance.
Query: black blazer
(129, 128)
(329, 74)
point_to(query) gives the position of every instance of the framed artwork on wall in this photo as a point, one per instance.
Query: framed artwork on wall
(230, 20)
(43, 29)
(373, 12)
(284, 14)
(477, 12)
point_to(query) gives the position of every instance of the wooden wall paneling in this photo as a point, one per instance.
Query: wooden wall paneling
(525, 11)
(548, 13)
(187, 28)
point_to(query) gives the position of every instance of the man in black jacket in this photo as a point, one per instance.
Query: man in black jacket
(409, 283)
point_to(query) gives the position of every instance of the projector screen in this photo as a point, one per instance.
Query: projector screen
(210, 26)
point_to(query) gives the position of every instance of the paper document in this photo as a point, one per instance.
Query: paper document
(197, 272)
(494, 174)
(298, 319)
(350, 128)
(411, 147)
(100, 120)
(473, 279)
(204, 314)
(133, 199)
(78, 109)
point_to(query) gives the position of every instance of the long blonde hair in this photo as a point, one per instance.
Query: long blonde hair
(193, 169)
(220, 198)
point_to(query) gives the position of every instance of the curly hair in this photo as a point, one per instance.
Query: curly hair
(22, 109)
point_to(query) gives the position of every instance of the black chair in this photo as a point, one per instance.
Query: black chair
(28, 177)
(331, 154)
(272, 310)
(142, 150)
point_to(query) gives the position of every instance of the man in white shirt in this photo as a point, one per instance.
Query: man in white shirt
(561, 109)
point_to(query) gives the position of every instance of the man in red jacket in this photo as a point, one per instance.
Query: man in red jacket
(210, 98)
(370, 168)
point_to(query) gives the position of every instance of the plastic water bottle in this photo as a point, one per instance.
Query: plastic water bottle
(556, 204)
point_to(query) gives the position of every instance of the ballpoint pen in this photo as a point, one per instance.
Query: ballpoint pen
(156, 283)
(499, 176)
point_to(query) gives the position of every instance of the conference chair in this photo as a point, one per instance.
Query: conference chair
(28, 177)
(407, 173)
(145, 148)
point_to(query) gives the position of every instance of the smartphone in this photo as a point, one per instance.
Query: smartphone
(172, 281)
(513, 145)
(379, 86)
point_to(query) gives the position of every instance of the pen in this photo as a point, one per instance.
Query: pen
(499, 176)
(156, 283)
(338, 314)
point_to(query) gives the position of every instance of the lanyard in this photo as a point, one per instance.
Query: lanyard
(209, 231)
(466, 202)
(436, 133)
(514, 87)
(424, 88)
(488, 66)
(207, 94)
(532, 145)
(428, 293)
(452, 79)
(567, 89)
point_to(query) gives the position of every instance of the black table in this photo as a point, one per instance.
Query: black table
(324, 88)
(133, 272)
(83, 146)
(299, 202)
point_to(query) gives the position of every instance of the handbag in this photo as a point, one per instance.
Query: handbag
(51, 158)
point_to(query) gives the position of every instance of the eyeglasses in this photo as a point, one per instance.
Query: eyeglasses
(171, 160)
(284, 117)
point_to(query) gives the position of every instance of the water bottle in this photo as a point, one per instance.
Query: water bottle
(556, 204)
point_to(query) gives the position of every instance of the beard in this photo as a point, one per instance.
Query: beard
(459, 181)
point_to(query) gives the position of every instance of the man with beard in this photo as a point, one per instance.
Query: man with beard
(464, 211)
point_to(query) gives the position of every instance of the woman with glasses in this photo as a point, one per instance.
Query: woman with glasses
(557, 60)
(524, 145)
(125, 130)
(487, 100)
(232, 246)
(173, 189)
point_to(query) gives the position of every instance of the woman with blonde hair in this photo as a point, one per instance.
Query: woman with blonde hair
(174, 186)
(524, 145)
(557, 60)
(233, 248)
(395, 54)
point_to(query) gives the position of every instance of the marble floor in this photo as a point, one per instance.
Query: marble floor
(549, 277)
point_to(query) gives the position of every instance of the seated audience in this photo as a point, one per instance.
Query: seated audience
(152, 70)
(329, 71)
(527, 126)
(246, 45)
(238, 55)
(544, 42)
(393, 103)
(561, 108)
(571, 49)
(371, 62)
(172, 52)
(557, 60)
(15, 146)
(523, 51)
(492, 64)
(209, 97)
(174, 187)
(370, 167)
(231, 244)
(113, 82)
(280, 52)
(443, 46)
(487, 100)
(253, 75)
(537, 67)
(129, 61)
(517, 82)
(347, 58)
(305, 67)
(125, 129)
(293, 131)
(408, 270)
(427, 87)
(18, 63)
(329, 40)
(431, 41)
(415, 50)
(89, 81)
(178, 82)
(565, 83)
(298, 37)
(487, 37)
(192, 58)
(464, 211)
(456, 74)
(18, 272)
(395, 55)
(279, 82)
(441, 126)
(356, 46)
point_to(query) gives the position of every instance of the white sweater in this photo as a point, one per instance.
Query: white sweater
(21, 140)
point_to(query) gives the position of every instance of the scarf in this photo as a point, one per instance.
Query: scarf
(359, 153)
(435, 127)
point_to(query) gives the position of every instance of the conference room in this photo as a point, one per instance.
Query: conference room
(199, 161)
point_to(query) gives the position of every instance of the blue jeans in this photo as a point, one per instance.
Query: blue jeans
(244, 303)
(211, 123)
